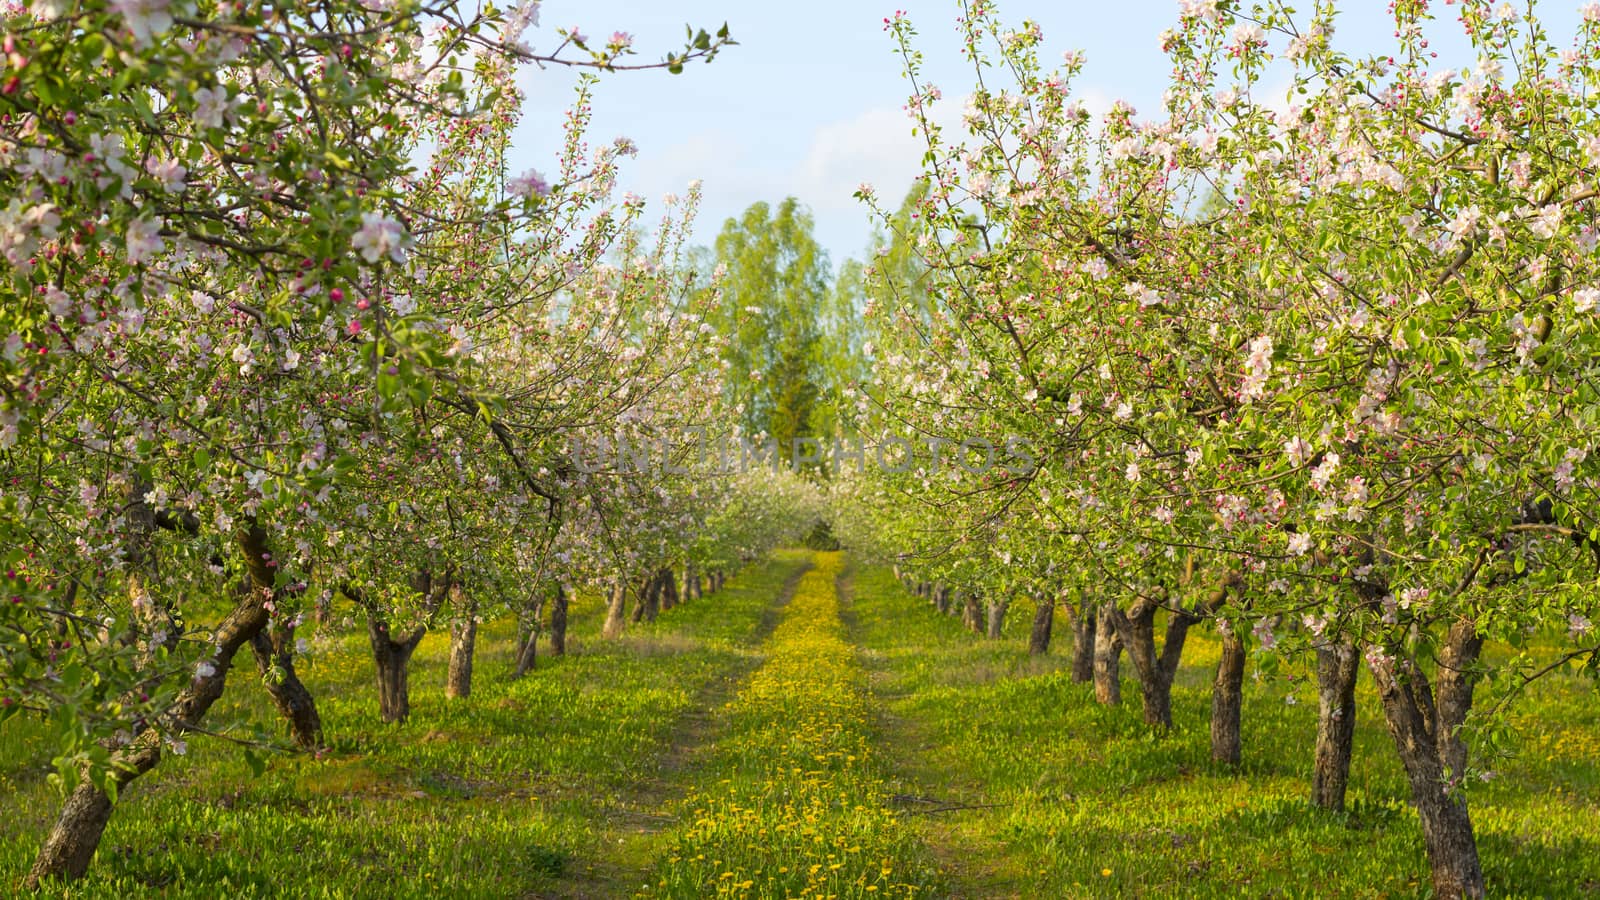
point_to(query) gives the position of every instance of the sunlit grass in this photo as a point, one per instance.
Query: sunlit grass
(1088, 803)
(869, 747)
(501, 795)
(799, 807)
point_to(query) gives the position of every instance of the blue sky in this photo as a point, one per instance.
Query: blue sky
(810, 102)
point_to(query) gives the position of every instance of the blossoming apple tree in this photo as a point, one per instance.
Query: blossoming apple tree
(1314, 367)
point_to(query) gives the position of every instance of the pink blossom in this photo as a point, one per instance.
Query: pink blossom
(145, 18)
(529, 184)
(379, 236)
(144, 240)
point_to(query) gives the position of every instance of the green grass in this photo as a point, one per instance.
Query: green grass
(1087, 803)
(795, 803)
(926, 761)
(520, 789)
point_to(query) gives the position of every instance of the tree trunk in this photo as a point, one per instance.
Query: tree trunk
(616, 609)
(1044, 616)
(393, 659)
(669, 589)
(1227, 697)
(558, 620)
(1416, 724)
(1337, 665)
(463, 641)
(274, 653)
(1083, 634)
(971, 612)
(527, 655)
(1137, 630)
(1107, 658)
(1458, 676)
(72, 842)
(649, 600)
(691, 582)
(996, 619)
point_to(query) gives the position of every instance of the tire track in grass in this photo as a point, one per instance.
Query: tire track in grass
(956, 824)
(794, 802)
(626, 840)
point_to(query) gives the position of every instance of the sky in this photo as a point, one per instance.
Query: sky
(810, 103)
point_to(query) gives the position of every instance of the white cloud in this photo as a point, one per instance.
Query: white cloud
(876, 146)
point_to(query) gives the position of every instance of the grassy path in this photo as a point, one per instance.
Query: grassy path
(626, 852)
(953, 808)
(848, 743)
(798, 805)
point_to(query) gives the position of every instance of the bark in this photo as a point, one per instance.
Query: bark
(649, 600)
(558, 620)
(463, 641)
(971, 612)
(616, 609)
(669, 589)
(274, 653)
(528, 655)
(1227, 699)
(76, 835)
(1044, 616)
(996, 619)
(1136, 627)
(1458, 676)
(1083, 633)
(393, 659)
(691, 582)
(1337, 665)
(393, 656)
(1107, 658)
(1417, 726)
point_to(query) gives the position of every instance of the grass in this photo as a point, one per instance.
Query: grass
(1083, 801)
(797, 805)
(520, 790)
(851, 743)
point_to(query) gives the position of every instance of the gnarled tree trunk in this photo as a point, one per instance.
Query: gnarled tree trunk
(527, 654)
(72, 842)
(649, 599)
(1044, 615)
(1227, 699)
(1107, 658)
(691, 581)
(274, 653)
(668, 591)
(558, 619)
(1137, 630)
(1430, 748)
(995, 620)
(971, 612)
(1337, 665)
(1083, 634)
(393, 659)
(616, 609)
(463, 642)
